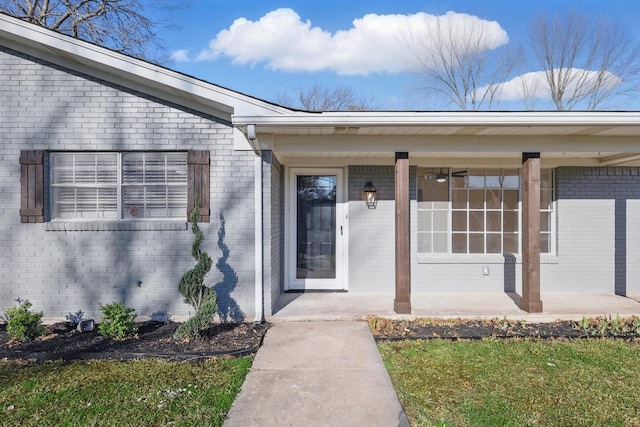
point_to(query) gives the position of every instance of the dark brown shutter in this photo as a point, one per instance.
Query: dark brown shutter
(198, 182)
(32, 186)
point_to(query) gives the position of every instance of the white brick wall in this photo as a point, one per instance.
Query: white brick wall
(585, 247)
(273, 223)
(49, 108)
(633, 246)
(597, 230)
(371, 231)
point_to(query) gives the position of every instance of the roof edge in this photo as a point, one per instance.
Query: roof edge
(45, 42)
(462, 118)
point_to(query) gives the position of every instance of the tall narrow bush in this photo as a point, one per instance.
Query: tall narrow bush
(202, 298)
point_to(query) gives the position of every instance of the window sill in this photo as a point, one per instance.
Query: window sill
(145, 225)
(480, 259)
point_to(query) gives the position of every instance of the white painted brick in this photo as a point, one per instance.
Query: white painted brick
(96, 267)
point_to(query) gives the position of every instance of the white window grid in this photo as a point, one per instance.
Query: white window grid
(436, 236)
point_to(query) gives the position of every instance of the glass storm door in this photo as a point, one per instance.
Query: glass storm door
(315, 230)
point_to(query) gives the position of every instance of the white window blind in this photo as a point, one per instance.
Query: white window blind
(118, 185)
(154, 185)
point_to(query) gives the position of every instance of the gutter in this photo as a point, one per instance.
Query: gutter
(423, 118)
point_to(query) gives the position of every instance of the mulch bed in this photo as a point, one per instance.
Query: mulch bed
(154, 339)
(457, 329)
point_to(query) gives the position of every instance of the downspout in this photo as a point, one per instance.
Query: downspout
(258, 238)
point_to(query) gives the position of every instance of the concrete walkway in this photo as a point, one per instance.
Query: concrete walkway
(319, 365)
(468, 305)
(317, 373)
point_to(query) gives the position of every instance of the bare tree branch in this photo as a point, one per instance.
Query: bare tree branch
(459, 64)
(125, 26)
(587, 61)
(321, 98)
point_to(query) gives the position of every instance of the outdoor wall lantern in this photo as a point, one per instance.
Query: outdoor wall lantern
(370, 195)
(441, 176)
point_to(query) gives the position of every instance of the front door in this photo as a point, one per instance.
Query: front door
(315, 231)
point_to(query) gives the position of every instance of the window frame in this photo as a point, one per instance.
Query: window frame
(550, 210)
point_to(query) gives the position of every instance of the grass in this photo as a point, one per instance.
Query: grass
(111, 393)
(516, 383)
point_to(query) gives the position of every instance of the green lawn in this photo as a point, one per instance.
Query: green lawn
(516, 383)
(110, 393)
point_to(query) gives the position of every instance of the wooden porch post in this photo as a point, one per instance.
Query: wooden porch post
(402, 302)
(530, 301)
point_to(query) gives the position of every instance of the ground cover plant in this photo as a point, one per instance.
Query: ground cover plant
(498, 376)
(115, 393)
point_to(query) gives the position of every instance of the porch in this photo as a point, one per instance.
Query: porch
(411, 234)
(347, 305)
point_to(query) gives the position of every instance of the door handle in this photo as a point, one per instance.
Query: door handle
(341, 230)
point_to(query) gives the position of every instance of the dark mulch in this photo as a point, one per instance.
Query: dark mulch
(154, 339)
(385, 329)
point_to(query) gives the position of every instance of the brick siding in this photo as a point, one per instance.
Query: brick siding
(47, 107)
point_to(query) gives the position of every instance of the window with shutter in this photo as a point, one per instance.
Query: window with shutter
(129, 185)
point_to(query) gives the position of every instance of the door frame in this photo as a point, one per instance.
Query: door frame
(291, 283)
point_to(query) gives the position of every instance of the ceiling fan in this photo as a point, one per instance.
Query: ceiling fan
(442, 177)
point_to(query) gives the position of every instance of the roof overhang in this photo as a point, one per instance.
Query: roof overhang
(451, 138)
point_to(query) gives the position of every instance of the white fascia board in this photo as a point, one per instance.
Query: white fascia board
(528, 118)
(15, 32)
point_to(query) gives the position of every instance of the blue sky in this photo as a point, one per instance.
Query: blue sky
(268, 49)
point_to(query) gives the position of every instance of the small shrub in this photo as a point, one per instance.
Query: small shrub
(635, 325)
(75, 318)
(24, 324)
(117, 321)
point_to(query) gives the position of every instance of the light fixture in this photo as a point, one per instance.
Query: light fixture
(370, 194)
(251, 132)
(441, 176)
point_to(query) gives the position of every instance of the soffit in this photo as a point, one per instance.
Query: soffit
(437, 130)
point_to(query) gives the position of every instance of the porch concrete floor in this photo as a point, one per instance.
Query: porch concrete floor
(349, 305)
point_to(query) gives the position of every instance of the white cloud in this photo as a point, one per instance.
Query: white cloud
(528, 85)
(181, 55)
(375, 43)
(534, 85)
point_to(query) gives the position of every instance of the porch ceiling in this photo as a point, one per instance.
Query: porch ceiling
(451, 159)
(451, 138)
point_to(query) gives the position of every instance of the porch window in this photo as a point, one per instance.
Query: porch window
(477, 211)
(108, 185)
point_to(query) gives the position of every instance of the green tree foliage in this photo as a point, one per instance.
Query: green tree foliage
(202, 298)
